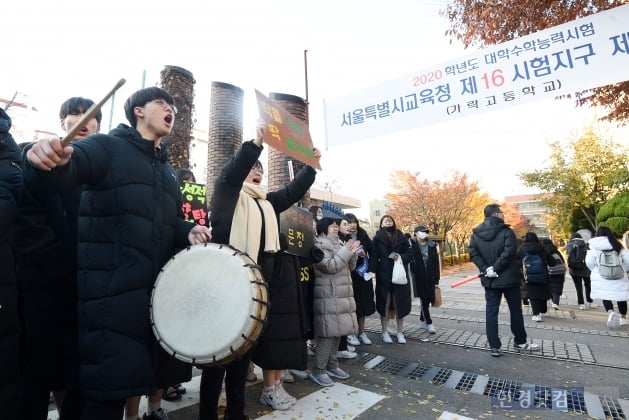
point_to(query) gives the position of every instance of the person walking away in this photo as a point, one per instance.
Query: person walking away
(390, 245)
(556, 273)
(576, 249)
(608, 262)
(425, 273)
(534, 260)
(10, 192)
(492, 249)
(334, 305)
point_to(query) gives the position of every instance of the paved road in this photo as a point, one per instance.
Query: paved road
(582, 369)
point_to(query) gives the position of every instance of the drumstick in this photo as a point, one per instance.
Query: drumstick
(467, 280)
(89, 114)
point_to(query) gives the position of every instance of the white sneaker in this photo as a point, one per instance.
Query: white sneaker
(386, 338)
(351, 348)
(392, 326)
(612, 319)
(285, 395)
(592, 305)
(537, 318)
(623, 321)
(287, 376)
(555, 306)
(364, 339)
(431, 329)
(272, 398)
(400, 338)
(582, 307)
(353, 340)
(527, 347)
(345, 354)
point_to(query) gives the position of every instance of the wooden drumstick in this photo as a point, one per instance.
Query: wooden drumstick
(89, 114)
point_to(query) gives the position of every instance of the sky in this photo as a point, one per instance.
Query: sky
(54, 50)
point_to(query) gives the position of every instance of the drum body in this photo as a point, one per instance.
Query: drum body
(209, 305)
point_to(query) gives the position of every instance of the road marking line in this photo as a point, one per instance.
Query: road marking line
(339, 401)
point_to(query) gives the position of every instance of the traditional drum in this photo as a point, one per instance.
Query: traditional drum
(209, 305)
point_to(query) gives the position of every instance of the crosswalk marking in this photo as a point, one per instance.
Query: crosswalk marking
(339, 401)
(446, 415)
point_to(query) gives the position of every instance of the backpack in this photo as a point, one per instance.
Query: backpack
(609, 266)
(576, 257)
(559, 268)
(534, 269)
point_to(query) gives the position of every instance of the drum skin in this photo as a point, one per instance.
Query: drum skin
(209, 305)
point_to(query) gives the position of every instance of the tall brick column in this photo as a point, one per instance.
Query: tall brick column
(225, 132)
(180, 84)
(278, 161)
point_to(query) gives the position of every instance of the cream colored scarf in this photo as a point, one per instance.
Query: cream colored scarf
(247, 222)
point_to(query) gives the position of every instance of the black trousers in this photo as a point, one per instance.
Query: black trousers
(103, 410)
(539, 306)
(211, 382)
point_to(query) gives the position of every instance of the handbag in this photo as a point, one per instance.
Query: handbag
(436, 302)
(399, 273)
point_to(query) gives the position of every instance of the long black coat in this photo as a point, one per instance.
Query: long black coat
(555, 281)
(282, 343)
(363, 289)
(425, 274)
(493, 244)
(10, 190)
(384, 271)
(44, 239)
(130, 222)
(535, 291)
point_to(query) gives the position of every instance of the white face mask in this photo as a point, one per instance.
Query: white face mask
(422, 235)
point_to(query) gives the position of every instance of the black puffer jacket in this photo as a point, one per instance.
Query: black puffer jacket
(425, 274)
(494, 244)
(535, 291)
(10, 189)
(282, 343)
(384, 273)
(130, 222)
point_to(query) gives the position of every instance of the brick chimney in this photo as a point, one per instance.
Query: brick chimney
(225, 132)
(179, 82)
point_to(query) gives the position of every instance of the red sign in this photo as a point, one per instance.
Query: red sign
(285, 132)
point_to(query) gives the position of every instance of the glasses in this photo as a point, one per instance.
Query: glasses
(166, 105)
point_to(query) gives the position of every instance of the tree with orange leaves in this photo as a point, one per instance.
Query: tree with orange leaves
(477, 22)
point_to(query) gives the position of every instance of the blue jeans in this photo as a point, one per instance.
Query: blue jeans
(492, 300)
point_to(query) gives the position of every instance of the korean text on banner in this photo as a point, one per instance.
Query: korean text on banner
(582, 54)
(285, 132)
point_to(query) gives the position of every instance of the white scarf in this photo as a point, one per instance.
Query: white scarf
(247, 222)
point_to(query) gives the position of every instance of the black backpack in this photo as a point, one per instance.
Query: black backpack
(534, 269)
(559, 268)
(576, 257)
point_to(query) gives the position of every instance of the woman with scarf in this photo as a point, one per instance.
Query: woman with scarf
(246, 217)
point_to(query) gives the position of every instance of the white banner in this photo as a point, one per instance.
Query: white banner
(582, 54)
